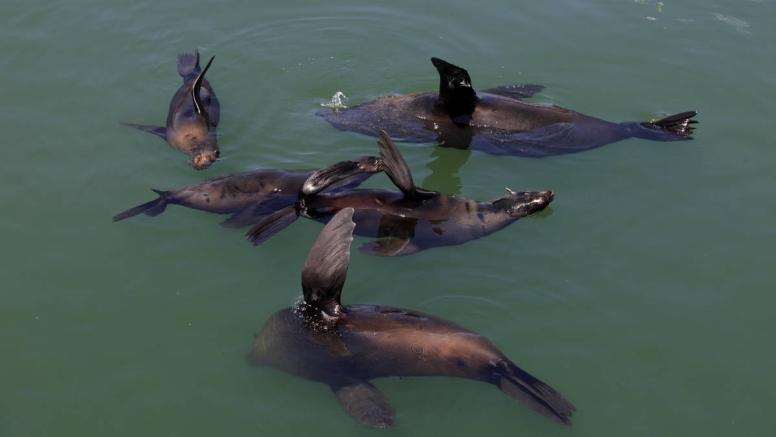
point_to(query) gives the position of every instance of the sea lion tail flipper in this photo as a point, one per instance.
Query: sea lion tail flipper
(397, 170)
(271, 225)
(156, 130)
(188, 65)
(326, 267)
(152, 208)
(365, 403)
(198, 86)
(517, 92)
(536, 395)
(677, 127)
(325, 177)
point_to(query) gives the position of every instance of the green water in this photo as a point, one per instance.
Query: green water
(645, 296)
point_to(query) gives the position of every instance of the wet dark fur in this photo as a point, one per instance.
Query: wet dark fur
(193, 116)
(495, 121)
(405, 221)
(249, 196)
(347, 346)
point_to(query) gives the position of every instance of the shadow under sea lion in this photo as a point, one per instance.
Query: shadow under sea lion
(405, 221)
(347, 346)
(250, 195)
(194, 114)
(495, 121)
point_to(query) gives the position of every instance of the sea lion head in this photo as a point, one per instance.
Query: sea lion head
(370, 164)
(524, 203)
(204, 155)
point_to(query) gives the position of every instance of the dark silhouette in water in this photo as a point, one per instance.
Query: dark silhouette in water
(194, 115)
(496, 120)
(405, 221)
(347, 346)
(250, 195)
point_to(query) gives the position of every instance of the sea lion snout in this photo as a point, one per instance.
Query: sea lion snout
(204, 158)
(525, 203)
(370, 164)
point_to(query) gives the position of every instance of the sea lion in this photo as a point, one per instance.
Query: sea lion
(496, 120)
(250, 195)
(194, 114)
(347, 346)
(405, 221)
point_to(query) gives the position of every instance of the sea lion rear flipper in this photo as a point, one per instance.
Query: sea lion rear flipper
(198, 86)
(271, 225)
(152, 208)
(397, 170)
(156, 130)
(518, 92)
(365, 403)
(536, 395)
(188, 65)
(326, 267)
(671, 128)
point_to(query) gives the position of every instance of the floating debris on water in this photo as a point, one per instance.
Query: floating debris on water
(740, 25)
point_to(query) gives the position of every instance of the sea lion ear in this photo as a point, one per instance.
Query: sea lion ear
(326, 267)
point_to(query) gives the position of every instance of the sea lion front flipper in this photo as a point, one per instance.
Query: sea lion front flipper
(152, 208)
(327, 176)
(326, 267)
(397, 170)
(197, 87)
(365, 403)
(251, 215)
(389, 246)
(156, 130)
(271, 225)
(394, 234)
(518, 92)
(455, 91)
(535, 394)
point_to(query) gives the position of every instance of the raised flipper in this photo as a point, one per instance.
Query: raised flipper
(677, 126)
(156, 130)
(197, 87)
(398, 171)
(535, 394)
(326, 267)
(365, 403)
(271, 225)
(518, 92)
(455, 90)
(188, 65)
(152, 208)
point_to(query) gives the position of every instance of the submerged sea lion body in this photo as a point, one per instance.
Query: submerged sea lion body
(193, 116)
(405, 221)
(346, 346)
(495, 121)
(248, 195)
